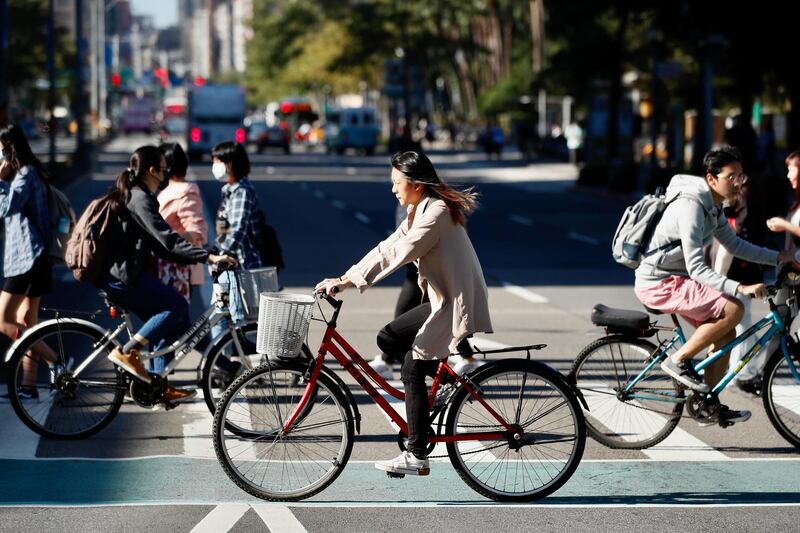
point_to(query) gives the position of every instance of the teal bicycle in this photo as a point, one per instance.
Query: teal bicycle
(633, 404)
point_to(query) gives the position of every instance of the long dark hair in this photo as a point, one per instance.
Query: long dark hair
(18, 152)
(142, 159)
(419, 169)
(176, 159)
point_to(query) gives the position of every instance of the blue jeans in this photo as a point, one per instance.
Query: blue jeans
(163, 310)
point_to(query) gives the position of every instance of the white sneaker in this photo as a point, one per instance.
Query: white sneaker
(383, 368)
(407, 464)
(464, 366)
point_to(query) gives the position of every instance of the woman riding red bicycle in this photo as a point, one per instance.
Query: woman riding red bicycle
(434, 237)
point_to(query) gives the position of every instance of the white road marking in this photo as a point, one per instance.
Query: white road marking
(787, 396)
(270, 170)
(222, 518)
(521, 220)
(583, 238)
(197, 429)
(679, 446)
(361, 217)
(351, 171)
(524, 293)
(19, 442)
(338, 204)
(318, 194)
(279, 518)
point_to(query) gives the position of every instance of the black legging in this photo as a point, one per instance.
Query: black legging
(396, 340)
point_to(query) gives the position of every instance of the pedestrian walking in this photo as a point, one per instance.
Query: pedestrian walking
(433, 236)
(26, 267)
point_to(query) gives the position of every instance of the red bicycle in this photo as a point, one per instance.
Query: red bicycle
(513, 429)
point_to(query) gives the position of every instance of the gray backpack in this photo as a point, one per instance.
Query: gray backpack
(636, 228)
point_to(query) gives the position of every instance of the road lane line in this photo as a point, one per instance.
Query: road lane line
(521, 220)
(222, 518)
(524, 293)
(338, 204)
(318, 194)
(197, 429)
(361, 217)
(279, 518)
(679, 446)
(787, 396)
(583, 238)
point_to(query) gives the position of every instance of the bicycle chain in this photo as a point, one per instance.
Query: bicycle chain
(643, 408)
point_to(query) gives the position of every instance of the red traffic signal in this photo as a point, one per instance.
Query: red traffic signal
(116, 79)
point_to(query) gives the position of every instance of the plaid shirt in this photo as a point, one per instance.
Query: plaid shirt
(235, 228)
(26, 216)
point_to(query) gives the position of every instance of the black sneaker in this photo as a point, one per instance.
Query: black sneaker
(726, 416)
(750, 386)
(684, 373)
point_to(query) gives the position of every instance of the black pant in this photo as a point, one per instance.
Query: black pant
(396, 340)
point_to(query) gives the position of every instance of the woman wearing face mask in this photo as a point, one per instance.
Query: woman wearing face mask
(144, 231)
(26, 268)
(234, 224)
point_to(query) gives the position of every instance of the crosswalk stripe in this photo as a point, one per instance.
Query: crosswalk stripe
(279, 518)
(197, 429)
(222, 518)
(19, 442)
(787, 396)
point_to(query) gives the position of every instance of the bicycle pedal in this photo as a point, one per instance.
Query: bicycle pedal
(395, 475)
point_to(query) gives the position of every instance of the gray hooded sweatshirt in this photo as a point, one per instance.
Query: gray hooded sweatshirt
(692, 219)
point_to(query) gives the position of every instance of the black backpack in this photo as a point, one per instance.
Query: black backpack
(266, 242)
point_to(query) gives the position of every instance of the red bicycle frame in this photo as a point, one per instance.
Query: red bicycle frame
(349, 359)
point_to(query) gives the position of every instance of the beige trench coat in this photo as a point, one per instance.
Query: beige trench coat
(449, 272)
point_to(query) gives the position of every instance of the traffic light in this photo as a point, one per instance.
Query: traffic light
(116, 79)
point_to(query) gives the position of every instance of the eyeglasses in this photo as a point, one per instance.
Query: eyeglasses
(736, 178)
(166, 170)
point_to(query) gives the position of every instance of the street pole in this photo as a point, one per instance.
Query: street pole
(93, 66)
(102, 74)
(3, 62)
(51, 77)
(77, 104)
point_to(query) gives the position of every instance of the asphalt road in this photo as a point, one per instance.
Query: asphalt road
(545, 252)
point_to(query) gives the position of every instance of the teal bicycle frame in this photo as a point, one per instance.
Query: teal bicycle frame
(776, 326)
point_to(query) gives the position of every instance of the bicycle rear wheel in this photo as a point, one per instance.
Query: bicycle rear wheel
(535, 400)
(644, 416)
(259, 456)
(80, 396)
(781, 396)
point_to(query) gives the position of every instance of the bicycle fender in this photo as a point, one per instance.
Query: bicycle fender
(41, 325)
(339, 381)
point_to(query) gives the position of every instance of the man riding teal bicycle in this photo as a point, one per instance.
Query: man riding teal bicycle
(673, 276)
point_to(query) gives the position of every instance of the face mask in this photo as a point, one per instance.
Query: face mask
(219, 171)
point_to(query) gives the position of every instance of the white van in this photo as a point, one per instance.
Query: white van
(351, 127)
(215, 114)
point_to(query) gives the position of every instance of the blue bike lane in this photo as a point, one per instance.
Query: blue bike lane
(175, 480)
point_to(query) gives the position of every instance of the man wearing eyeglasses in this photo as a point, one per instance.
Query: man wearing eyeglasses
(673, 277)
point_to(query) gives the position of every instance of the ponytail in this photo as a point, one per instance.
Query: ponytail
(141, 160)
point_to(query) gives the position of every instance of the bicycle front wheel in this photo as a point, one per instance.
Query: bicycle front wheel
(781, 396)
(264, 459)
(76, 397)
(638, 418)
(547, 418)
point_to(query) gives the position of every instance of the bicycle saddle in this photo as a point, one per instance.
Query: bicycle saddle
(621, 320)
(104, 295)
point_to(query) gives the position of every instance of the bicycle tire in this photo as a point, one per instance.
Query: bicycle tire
(211, 393)
(239, 407)
(601, 369)
(558, 420)
(781, 397)
(49, 417)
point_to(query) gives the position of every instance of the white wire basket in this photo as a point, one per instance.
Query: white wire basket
(283, 321)
(252, 284)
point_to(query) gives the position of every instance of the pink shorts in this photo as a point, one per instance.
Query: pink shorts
(685, 297)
